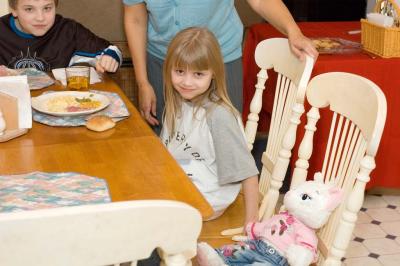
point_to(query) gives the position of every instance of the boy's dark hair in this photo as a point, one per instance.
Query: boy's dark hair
(13, 3)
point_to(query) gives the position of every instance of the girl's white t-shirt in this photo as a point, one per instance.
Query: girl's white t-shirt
(211, 148)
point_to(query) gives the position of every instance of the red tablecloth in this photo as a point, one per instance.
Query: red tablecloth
(384, 72)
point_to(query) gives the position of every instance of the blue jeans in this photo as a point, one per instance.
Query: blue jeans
(251, 252)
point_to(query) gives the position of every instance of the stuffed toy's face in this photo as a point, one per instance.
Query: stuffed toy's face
(312, 202)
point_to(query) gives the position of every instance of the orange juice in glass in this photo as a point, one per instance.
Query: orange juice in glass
(78, 77)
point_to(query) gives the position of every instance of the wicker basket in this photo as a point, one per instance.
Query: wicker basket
(379, 40)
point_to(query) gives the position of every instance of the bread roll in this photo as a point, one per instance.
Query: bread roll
(100, 123)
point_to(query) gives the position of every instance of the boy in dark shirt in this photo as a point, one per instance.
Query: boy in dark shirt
(34, 36)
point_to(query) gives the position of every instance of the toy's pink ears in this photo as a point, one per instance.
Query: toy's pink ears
(335, 197)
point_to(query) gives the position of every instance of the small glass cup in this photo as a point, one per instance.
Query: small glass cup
(78, 77)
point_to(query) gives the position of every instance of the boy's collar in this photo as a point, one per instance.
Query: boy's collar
(17, 31)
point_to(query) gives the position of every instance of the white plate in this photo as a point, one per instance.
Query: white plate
(40, 103)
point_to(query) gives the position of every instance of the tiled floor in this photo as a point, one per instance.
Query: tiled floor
(377, 234)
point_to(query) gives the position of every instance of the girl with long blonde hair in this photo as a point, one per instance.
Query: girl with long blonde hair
(202, 129)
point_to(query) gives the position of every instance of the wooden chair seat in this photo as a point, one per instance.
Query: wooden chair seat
(232, 217)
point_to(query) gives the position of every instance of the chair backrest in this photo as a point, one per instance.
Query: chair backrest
(100, 234)
(292, 80)
(358, 119)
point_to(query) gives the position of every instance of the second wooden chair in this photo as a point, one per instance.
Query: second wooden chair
(292, 79)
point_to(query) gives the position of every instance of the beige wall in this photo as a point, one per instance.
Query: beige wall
(3, 7)
(103, 17)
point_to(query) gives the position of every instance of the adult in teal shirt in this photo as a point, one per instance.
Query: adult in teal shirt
(151, 24)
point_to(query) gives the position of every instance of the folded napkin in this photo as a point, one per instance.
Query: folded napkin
(17, 87)
(59, 74)
(380, 19)
(38, 190)
(117, 110)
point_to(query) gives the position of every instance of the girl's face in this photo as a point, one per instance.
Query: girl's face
(35, 17)
(190, 83)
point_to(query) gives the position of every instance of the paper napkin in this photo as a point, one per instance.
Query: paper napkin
(17, 86)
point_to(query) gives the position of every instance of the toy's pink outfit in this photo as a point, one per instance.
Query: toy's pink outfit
(283, 230)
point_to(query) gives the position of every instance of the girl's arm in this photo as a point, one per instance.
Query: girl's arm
(234, 161)
(250, 192)
(135, 21)
(276, 13)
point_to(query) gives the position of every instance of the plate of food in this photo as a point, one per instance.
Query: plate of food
(70, 103)
(327, 45)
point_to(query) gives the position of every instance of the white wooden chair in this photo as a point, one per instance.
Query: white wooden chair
(292, 78)
(101, 234)
(359, 113)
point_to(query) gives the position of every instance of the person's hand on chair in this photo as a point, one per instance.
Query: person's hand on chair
(300, 46)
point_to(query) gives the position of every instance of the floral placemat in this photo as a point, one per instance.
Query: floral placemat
(39, 190)
(36, 79)
(117, 110)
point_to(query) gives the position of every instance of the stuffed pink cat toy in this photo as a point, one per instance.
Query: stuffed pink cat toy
(287, 238)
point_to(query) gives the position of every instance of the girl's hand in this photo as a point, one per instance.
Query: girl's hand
(248, 230)
(106, 63)
(301, 45)
(249, 221)
(147, 103)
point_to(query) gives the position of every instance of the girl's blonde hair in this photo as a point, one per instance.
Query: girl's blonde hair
(13, 3)
(196, 49)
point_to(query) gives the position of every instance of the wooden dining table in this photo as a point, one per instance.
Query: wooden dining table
(130, 157)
